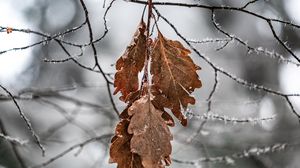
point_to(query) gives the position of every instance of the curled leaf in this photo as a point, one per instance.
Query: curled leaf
(130, 64)
(120, 148)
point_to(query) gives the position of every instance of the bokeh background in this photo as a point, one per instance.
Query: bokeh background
(72, 104)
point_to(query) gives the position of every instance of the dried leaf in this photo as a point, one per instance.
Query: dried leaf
(9, 30)
(151, 135)
(160, 102)
(174, 75)
(130, 64)
(120, 148)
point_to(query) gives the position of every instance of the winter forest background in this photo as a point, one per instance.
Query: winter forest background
(246, 113)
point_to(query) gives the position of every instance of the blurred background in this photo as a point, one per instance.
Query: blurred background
(68, 104)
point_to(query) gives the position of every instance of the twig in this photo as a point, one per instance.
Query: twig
(46, 37)
(230, 159)
(211, 116)
(228, 8)
(70, 118)
(64, 60)
(13, 140)
(210, 40)
(250, 48)
(26, 120)
(14, 147)
(80, 145)
(248, 3)
(96, 56)
(214, 89)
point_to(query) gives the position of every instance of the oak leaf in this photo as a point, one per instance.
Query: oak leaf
(130, 64)
(120, 148)
(151, 135)
(160, 102)
(173, 75)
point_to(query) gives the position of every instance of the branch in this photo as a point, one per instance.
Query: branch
(95, 53)
(13, 140)
(14, 147)
(250, 48)
(46, 38)
(248, 3)
(214, 89)
(230, 9)
(36, 94)
(225, 119)
(26, 120)
(80, 145)
(230, 159)
(69, 118)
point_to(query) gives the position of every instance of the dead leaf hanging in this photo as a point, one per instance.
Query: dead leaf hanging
(120, 148)
(130, 64)
(174, 74)
(151, 135)
(142, 138)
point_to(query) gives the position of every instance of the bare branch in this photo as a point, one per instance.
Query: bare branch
(226, 119)
(95, 53)
(230, 159)
(250, 48)
(80, 145)
(26, 120)
(228, 8)
(13, 140)
(248, 3)
(14, 147)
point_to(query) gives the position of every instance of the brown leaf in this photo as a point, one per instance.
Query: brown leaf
(159, 102)
(130, 64)
(151, 135)
(9, 30)
(174, 75)
(120, 148)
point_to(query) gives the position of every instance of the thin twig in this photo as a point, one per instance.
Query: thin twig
(96, 56)
(79, 145)
(226, 119)
(230, 159)
(26, 120)
(14, 147)
(248, 3)
(13, 140)
(230, 9)
(250, 48)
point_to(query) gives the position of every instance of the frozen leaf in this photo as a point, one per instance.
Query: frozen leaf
(174, 75)
(130, 64)
(151, 135)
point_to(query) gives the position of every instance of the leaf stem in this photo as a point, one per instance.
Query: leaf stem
(149, 16)
(145, 80)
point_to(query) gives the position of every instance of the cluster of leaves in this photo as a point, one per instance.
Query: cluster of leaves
(142, 137)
